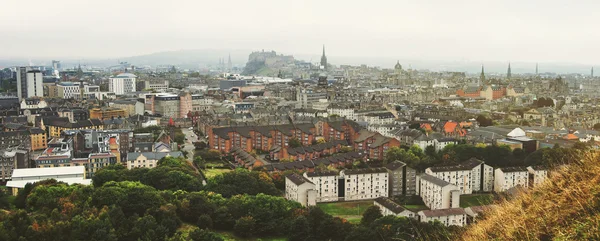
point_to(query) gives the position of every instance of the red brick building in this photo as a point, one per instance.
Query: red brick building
(373, 144)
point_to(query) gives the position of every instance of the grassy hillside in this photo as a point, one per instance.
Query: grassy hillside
(566, 207)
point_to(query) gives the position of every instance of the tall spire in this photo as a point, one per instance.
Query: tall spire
(508, 74)
(536, 68)
(482, 76)
(229, 63)
(324, 59)
(592, 72)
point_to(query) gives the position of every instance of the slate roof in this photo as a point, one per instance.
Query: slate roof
(466, 165)
(263, 130)
(313, 163)
(64, 122)
(321, 174)
(389, 204)
(434, 180)
(395, 165)
(444, 212)
(513, 169)
(298, 179)
(316, 148)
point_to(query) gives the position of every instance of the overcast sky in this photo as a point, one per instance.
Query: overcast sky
(477, 30)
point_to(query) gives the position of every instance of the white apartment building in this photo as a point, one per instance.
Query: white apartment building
(68, 90)
(347, 113)
(509, 177)
(448, 217)
(367, 183)
(300, 189)
(122, 83)
(29, 83)
(537, 175)
(148, 159)
(443, 142)
(389, 207)
(380, 118)
(326, 185)
(159, 86)
(437, 193)
(467, 176)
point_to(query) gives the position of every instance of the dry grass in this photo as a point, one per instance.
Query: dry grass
(566, 207)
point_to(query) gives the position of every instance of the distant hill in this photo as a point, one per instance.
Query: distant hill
(190, 58)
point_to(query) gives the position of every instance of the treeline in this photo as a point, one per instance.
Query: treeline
(155, 204)
(496, 156)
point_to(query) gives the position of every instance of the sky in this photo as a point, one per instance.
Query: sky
(473, 30)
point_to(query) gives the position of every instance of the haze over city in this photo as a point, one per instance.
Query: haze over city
(476, 31)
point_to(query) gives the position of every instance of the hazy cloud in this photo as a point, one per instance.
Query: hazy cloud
(477, 30)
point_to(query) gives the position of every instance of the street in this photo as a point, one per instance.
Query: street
(188, 146)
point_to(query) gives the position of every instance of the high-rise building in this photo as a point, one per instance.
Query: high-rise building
(56, 64)
(508, 73)
(122, 83)
(29, 83)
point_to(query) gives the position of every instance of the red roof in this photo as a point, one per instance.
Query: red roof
(450, 126)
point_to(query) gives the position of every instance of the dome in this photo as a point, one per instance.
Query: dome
(398, 65)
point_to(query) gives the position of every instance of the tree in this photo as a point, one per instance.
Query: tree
(293, 143)
(399, 154)
(204, 235)
(597, 126)
(299, 230)
(204, 222)
(244, 227)
(484, 121)
(431, 152)
(371, 214)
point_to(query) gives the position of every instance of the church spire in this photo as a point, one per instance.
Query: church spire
(592, 72)
(508, 73)
(324, 59)
(482, 76)
(536, 69)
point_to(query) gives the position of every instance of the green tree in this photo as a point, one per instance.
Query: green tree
(244, 227)
(299, 230)
(204, 235)
(204, 222)
(371, 214)
(597, 126)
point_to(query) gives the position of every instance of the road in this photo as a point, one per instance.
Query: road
(188, 146)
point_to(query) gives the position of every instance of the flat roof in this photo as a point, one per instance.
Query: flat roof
(22, 183)
(53, 171)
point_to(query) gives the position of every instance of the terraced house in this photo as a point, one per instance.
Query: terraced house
(265, 138)
(374, 144)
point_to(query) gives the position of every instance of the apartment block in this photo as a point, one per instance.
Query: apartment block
(437, 193)
(448, 217)
(326, 185)
(300, 189)
(508, 177)
(367, 183)
(402, 179)
(389, 207)
(469, 176)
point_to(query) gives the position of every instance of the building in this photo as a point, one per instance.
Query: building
(306, 96)
(474, 211)
(362, 184)
(107, 113)
(131, 107)
(448, 217)
(74, 114)
(230, 83)
(403, 179)
(300, 189)
(326, 185)
(374, 144)
(69, 175)
(148, 159)
(33, 103)
(29, 83)
(493, 92)
(469, 176)
(508, 177)
(537, 175)
(38, 139)
(122, 83)
(8, 162)
(265, 138)
(156, 85)
(389, 207)
(97, 161)
(437, 193)
(56, 125)
(68, 90)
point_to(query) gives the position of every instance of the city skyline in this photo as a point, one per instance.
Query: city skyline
(436, 31)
